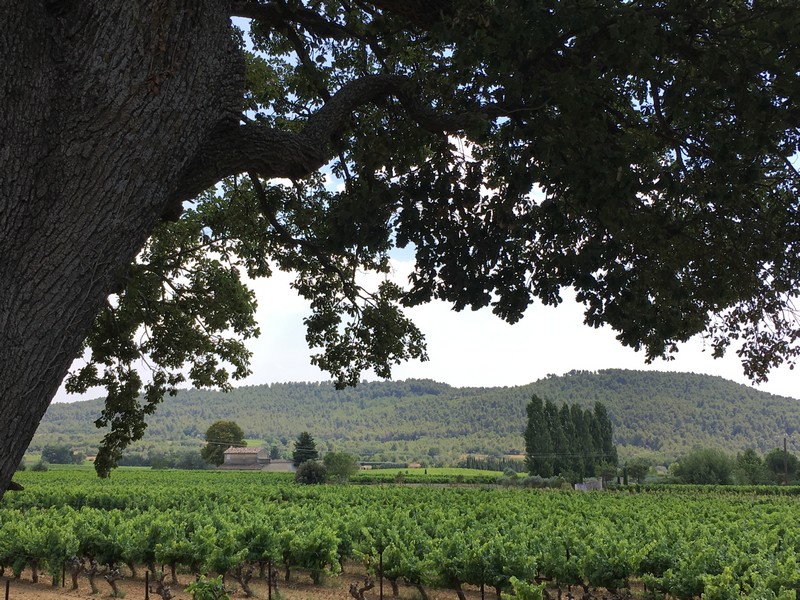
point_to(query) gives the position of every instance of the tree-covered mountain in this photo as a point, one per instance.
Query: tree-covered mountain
(658, 414)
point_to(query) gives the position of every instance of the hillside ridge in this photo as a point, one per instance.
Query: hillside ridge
(659, 414)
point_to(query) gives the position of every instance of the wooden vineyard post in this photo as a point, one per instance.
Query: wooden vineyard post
(380, 571)
(269, 579)
(8, 585)
(147, 584)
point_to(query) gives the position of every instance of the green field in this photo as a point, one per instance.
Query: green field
(436, 472)
(681, 542)
(441, 475)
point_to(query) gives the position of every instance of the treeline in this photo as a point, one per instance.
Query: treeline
(655, 416)
(187, 459)
(567, 441)
(714, 466)
(493, 463)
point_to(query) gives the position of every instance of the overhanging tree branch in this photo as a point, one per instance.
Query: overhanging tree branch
(277, 16)
(272, 153)
(421, 13)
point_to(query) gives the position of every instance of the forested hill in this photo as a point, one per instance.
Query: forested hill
(655, 413)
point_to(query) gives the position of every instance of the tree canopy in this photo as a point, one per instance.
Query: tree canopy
(641, 155)
(220, 436)
(61, 455)
(782, 465)
(341, 466)
(704, 466)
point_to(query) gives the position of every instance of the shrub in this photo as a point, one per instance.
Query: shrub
(311, 471)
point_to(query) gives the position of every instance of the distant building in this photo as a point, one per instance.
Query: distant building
(589, 484)
(245, 458)
(256, 459)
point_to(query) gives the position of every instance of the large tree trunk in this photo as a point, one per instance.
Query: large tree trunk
(103, 104)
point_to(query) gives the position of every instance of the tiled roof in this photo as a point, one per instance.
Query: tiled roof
(243, 450)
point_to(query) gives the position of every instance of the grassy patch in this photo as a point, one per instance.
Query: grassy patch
(426, 475)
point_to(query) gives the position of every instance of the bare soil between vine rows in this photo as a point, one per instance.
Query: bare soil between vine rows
(298, 588)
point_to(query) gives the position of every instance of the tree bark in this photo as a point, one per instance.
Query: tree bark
(112, 113)
(102, 106)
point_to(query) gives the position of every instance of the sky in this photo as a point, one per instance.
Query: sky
(475, 348)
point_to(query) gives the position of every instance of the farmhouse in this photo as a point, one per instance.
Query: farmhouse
(245, 458)
(256, 459)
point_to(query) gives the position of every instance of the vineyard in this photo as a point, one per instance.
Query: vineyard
(683, 543)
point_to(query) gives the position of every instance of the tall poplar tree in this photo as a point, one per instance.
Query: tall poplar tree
(573, 461)
(591, 451)
(579, 428)
(559, 440)
(538, 443)
(605, 434)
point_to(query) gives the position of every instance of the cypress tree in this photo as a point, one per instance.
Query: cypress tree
(305, 448)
